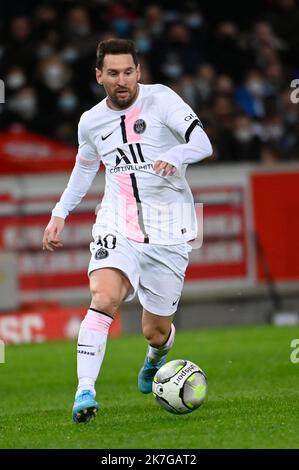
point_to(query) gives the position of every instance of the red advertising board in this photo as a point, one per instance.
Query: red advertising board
(26, 153)
(223, 255)
(224, 252)
(46, 323)
(275, 208)
(40, 272)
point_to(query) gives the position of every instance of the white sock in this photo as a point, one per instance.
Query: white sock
(155, 354)
(92, 341)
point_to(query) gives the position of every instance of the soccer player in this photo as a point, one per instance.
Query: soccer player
(145, 135)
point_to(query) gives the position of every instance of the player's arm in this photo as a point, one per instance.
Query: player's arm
(84, 171)
(196, 146)
(196, 149)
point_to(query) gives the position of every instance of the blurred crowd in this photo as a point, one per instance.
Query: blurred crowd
(235, 71)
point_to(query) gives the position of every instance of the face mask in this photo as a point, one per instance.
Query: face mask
(53, 77)
(156, 29)
(54, 71)
(69, 55)
(25, 105)
(275, 131)
(173, 71)
(82, 30)
(15, 80)
(44, 51)
(255, 87)
(68, 102)
(121, 26)
(243, 135)
(143, 45)
(97, 90)
(204, 88)
(189, 94)
(194, 20)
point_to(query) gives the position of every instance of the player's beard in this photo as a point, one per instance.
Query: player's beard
(123, 102)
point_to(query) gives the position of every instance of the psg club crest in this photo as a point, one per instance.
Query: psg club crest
(139, 126)
(101, 253)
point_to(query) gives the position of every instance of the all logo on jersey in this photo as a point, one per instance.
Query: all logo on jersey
(139, 126)
(136, 155)
(101, 253)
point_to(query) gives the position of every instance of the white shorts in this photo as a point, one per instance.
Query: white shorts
(156, 272)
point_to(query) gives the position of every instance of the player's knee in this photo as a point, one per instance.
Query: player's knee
(105, 301)
(155, 335)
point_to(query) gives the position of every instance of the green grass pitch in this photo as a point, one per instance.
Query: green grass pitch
(253, 399)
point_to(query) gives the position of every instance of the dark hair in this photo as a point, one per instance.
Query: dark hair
(115, 46)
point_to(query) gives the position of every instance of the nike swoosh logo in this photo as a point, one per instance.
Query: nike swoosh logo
(173, 303)
(86, 345)
(106, 136)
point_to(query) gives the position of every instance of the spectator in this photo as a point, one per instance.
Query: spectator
(234, 72)
(241, 143)
(250, 95)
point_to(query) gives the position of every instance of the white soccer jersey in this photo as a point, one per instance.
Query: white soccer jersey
(138, 203)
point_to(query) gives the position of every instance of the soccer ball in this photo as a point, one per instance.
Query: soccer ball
(180, 386)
